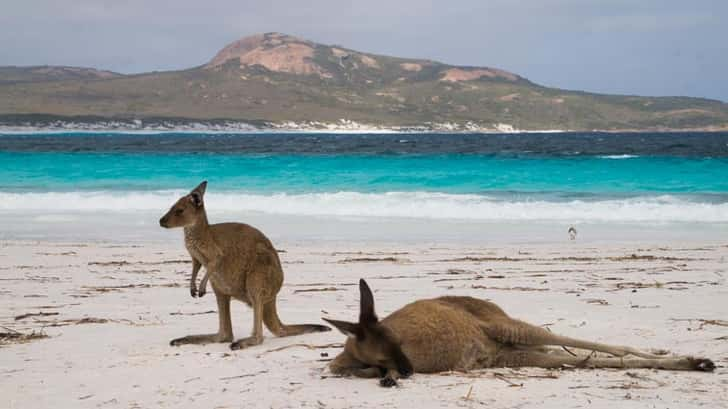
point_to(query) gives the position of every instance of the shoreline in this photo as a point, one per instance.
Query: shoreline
(122, 227)
(343, 126)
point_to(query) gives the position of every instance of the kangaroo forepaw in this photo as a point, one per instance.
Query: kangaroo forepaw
(193, 292)
(702, 364)
(201, 292)
(387, 382)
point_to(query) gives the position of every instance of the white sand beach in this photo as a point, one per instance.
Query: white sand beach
(107, 311)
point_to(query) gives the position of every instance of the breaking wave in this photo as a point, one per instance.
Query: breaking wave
(426, 205)
(625, 156)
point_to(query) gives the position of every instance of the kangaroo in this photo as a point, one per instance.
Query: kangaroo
(463, 333)
(241, 263)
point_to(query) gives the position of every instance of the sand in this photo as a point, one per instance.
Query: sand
(103, 314)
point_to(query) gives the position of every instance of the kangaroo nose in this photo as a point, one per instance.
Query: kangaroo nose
(163, 222)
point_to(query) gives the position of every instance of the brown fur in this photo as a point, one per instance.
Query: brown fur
(463, 333)
(196, 291)
(241, 263)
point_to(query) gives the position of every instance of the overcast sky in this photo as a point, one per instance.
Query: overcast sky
(648, 47)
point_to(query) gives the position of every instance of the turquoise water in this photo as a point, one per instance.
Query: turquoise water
(475, 174)
(565, 177)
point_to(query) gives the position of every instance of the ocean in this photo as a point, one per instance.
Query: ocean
(309, 180)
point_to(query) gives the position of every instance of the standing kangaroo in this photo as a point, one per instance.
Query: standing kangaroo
(241, 263)
(462, 333)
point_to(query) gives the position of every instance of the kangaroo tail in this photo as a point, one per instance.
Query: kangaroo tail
(274, 324)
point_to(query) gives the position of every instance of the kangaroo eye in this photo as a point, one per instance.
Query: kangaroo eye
(179, 211)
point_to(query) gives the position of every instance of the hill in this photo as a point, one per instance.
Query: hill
(278, 79)
(42, 73)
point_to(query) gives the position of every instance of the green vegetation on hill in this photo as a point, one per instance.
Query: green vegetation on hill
(277, 78)
(44, 73)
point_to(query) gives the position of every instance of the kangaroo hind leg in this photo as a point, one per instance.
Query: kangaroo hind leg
(518, 357)
(516, 332)
(256, 338)
(225, 329)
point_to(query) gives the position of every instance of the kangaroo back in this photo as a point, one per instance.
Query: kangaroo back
(442, 334)
(484, 310)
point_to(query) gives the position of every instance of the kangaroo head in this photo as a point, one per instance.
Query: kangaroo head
(371, 342)
(187, 210)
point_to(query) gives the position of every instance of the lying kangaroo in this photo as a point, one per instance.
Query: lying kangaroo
(241, 263)
(462, 333)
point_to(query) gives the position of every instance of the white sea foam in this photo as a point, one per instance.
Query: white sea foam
(625, 156)
(381, 205)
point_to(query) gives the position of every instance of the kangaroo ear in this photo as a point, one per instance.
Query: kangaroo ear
(349, 329)
(198, 193)
(196, 199)
(366, 306)
(200, 188)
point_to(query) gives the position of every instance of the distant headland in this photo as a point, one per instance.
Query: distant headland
(280, 82)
